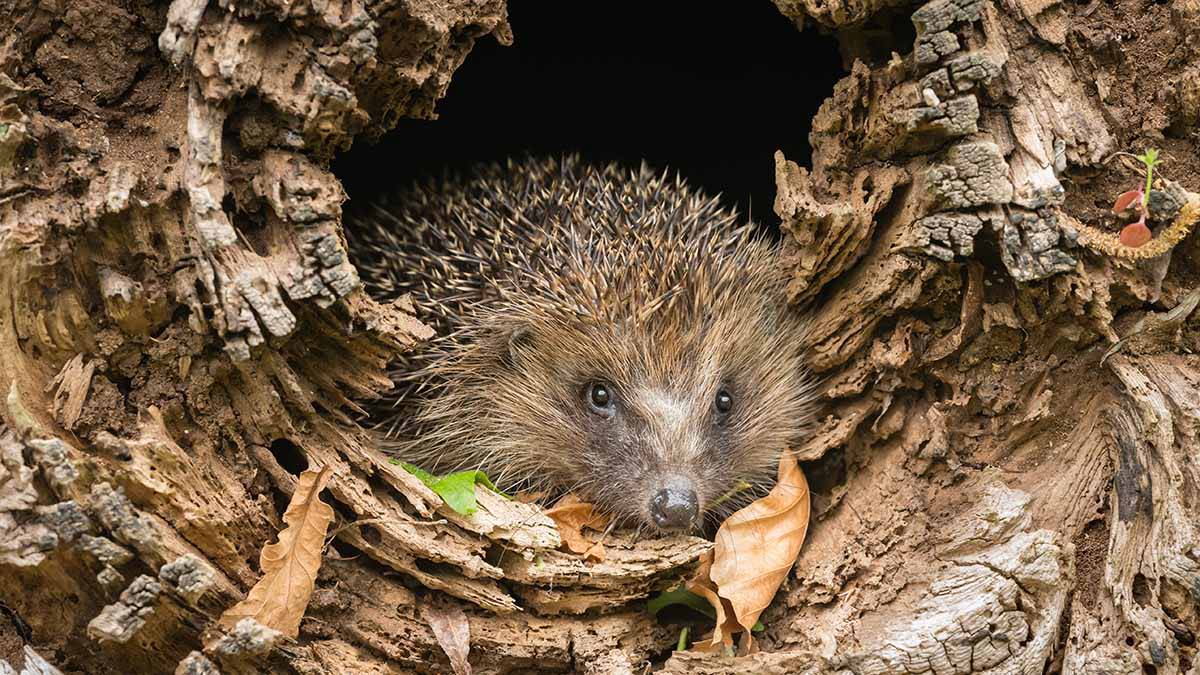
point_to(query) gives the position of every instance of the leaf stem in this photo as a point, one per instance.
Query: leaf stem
(741, 485)
(683, 634)
(1150, 159)
(1149, 179)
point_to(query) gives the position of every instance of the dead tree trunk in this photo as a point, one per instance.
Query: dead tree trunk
(1010, 453)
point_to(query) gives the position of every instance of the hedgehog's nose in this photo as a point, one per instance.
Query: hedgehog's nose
(674, 508)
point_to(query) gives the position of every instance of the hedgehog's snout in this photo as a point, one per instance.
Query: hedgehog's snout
(675, 506)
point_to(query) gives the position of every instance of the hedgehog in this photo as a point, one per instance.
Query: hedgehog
(604, 331)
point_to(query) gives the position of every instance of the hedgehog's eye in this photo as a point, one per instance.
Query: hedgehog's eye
(600, 397)
(724, 401)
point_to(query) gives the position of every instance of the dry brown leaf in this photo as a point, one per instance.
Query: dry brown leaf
(726, 625)
(290, 565)
(572, 515)
(452, 632)
(757, 545)
(528, 497)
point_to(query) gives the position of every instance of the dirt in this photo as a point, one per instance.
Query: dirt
(1091, 550)
(12, 645)
(1139, 54)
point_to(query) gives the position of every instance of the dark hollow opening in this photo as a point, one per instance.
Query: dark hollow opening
(289, 456)
(701, 88)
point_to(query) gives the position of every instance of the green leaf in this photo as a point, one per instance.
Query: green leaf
(456, 489)
(427, 478)
(681, 596)
(482, 479)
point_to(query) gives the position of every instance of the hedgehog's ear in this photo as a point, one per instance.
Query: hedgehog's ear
(520, 342)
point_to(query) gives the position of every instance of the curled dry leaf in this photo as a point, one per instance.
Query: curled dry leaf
(726, 623)
(452, 632)
(757, 545)
(572, 515)
(290, 565)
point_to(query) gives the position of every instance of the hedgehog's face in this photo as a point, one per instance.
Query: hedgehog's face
(657, 425)
(659, 453)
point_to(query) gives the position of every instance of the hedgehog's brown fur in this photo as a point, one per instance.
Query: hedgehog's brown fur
(544, 276)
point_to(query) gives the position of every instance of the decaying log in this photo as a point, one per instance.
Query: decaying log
(1009, 454)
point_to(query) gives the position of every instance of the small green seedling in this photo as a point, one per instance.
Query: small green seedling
(456, 489)
(1138, 233)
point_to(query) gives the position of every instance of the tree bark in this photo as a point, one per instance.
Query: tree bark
(1006, 473)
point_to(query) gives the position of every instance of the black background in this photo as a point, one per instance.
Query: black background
(710, 89)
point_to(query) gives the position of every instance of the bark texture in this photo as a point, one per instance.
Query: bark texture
(1007, 472)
